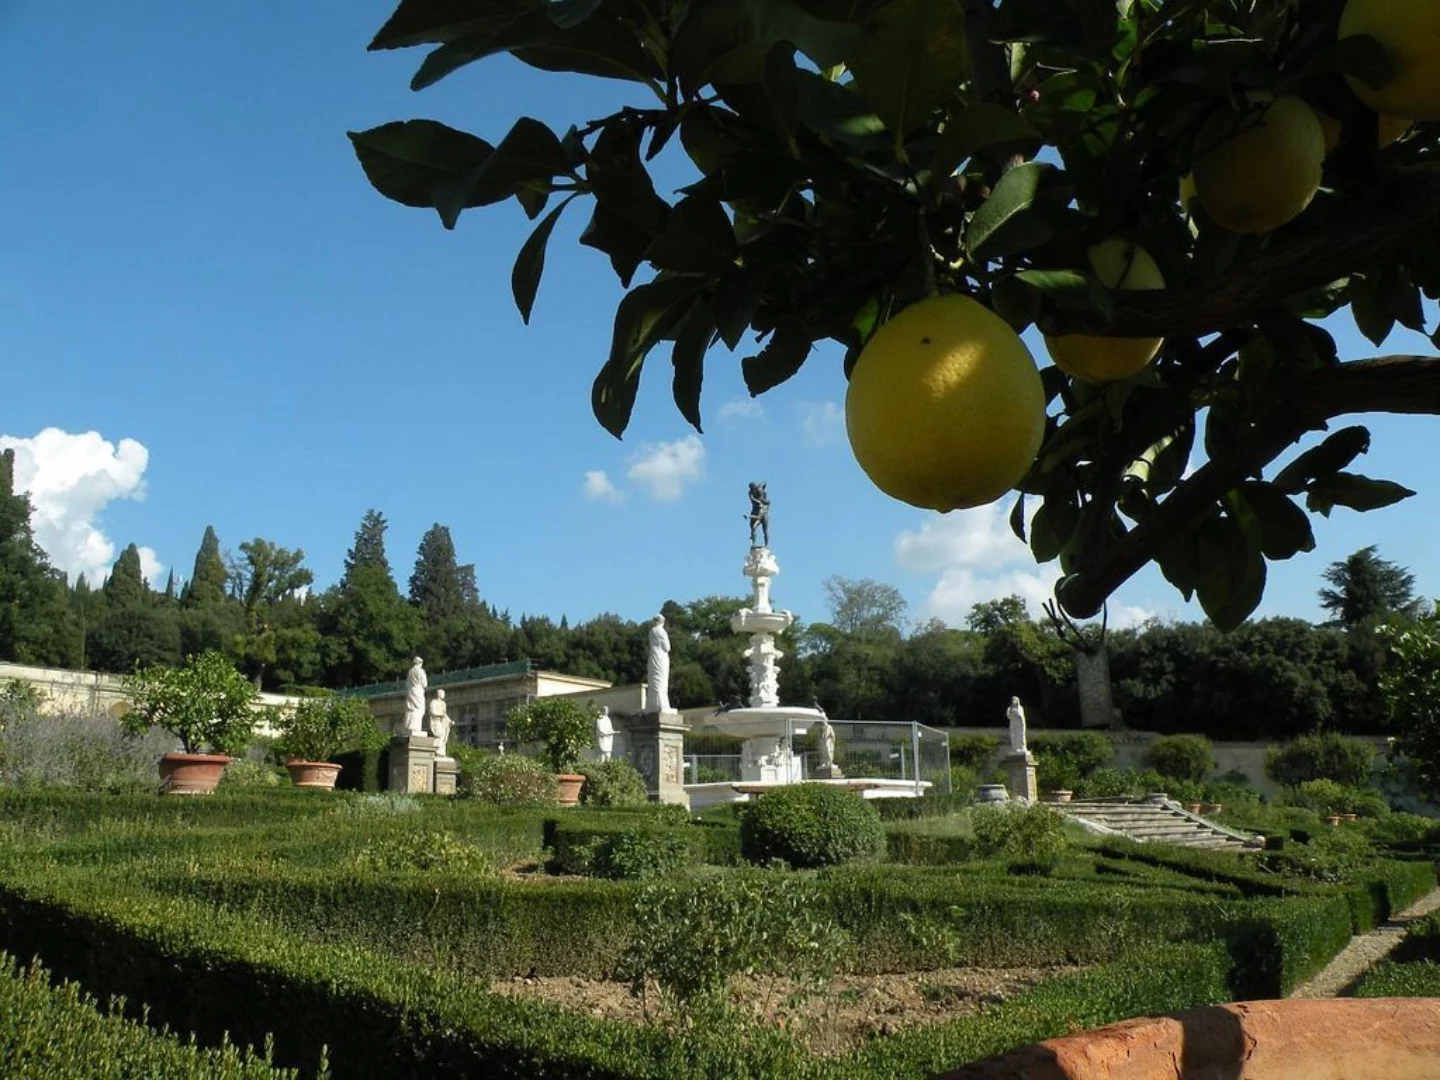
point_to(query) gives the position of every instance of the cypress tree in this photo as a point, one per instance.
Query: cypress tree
(207, 580)
(438, 587)
(368, 550)
(126, 585)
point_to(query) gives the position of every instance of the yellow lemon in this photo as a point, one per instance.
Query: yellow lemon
(1266, 172)
(1119, 264)
(945, 409)
(1410, 32)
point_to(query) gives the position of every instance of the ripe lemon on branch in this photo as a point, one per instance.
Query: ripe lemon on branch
(1256, 173)
(1409, 30)
(1119, 264)
(945, 409)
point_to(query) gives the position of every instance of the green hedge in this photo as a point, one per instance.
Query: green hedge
(59, 1031)
(574, 840)
(363, 770)
(1420, 978)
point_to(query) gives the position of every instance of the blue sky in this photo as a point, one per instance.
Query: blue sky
(192, 260)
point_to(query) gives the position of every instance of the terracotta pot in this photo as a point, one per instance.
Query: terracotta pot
(570, 785)
(1194, 807)
(313, 774)
(1380, 1038)
(191, 774)
(1333, 819)
(1213, 808)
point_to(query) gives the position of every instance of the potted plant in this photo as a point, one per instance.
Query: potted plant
(318, 728)
(207, 705)
(563, 729)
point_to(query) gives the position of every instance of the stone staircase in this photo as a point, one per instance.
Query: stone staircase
(1156, 823)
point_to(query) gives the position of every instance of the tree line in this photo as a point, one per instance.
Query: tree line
(257, 604)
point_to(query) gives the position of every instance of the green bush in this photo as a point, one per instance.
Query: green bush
(810, 825)
(1344, 760)
(325, 724)
(246, 772)
(1387, 979)
(628, 853)
(1063, 762)
(612, 783)
(973, 752)
(1182, 757)
(507, 780)
(60, 1031)
(430, 849)
(562, 727)
(205, 703)
(1030, 835)
(1333, 855)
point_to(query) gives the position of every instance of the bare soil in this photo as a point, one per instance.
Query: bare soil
(835, 1019)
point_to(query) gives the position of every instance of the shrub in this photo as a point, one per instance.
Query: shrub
(562, 726)
(1064, 761)
(1181, 757)
(84, 751)
(1346, 761)
(507, 780)
(627, 854)
(809, 825)
(612, 783)
(1332, 855)
(326, 724)
(1107, 782)
(427, 849)
(972, 752)
(205, 704)
(244, 772)
(1030, 835)
(963, 782)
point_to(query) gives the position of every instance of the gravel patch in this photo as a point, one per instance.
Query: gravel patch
(1339, 977)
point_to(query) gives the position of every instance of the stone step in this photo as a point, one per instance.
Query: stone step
(1155, 824)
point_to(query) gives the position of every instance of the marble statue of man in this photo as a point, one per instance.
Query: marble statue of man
(657, 667)
(604, 733)
(1016, 715)
(415, 684)
(439, 717)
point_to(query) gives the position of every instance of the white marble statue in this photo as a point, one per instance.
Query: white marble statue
(1016, 715)
(827, 746)
(415, 684)
(439, 718)
(604, 733)
(657, 667)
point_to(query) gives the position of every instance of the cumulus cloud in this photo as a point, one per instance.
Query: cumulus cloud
(741, 409)
(664, 469)
(599, 487)
(71, 478)
(822, 423)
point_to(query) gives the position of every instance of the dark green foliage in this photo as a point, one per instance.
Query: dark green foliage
(1364, 588)
(37, 625)
(505, 779)
(439, 586)
(323, 725)
(973, 751)
(60, 1031)
(207, 579)
(1064, 761)
(612, 783)
(810, 825)
(1413, 969)
(562, 727)
(1181, 757)
(1346, 761)
(362, 770)
(581, 843)
(1030, 836)
(126, 587)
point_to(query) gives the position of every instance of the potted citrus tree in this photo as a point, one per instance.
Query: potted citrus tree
(315, 730)
(563, 729)
(207, 705)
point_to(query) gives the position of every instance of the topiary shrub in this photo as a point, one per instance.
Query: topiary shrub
(612, 783)
(1182, 757)
(506, 780)
(1031, 836)
(1063, 762)
(810, 825)
(1321, 757)
(972, 752)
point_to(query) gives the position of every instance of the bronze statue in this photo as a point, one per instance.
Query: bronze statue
(759, 513)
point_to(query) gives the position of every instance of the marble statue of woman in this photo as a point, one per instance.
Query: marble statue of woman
(415, 684)
(827, 746)
(439, 716)
(657, 667)
(1016, 716)
(604, 733)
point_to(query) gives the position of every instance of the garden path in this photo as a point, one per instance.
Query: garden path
(1365, 950)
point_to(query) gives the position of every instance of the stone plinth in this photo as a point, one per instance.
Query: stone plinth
(447, 775)
(657, 748)
(1020, 776)
(412, 764)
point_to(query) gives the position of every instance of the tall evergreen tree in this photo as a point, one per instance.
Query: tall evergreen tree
(208, 579)
(439, 586)
(126, 585)
(36, 624)
(368, 550)
(1364, 587)
(371, 630)
(170, 591)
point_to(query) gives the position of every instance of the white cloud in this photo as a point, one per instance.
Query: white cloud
(664, 469)
(599, 487)
(71, 479)
(823, 424)
(961, 588)
(741, 409)
(979, 538)
(1129, 616)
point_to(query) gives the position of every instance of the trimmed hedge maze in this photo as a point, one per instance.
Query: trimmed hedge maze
(367, 929)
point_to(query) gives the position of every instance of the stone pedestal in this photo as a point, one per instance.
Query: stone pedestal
(828, 772)
(1020, 776)
(657, 748)
(447, 775)
(412, 764)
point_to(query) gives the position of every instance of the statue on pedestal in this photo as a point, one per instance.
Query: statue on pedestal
(415, 683)
(657, 667)
(1016, 716)
(439, 717)
(827, 748)
(604, 733)
(759, 516)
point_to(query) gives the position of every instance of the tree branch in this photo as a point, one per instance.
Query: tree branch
(1408, 385)
(1372, 225)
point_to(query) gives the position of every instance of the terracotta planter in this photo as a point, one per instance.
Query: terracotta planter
(191, 774)
(313, 774)
(1213, 808)
(570, 785)
(1060, 795)
(1381, 1038)
(1194, 807)
(1333, 819)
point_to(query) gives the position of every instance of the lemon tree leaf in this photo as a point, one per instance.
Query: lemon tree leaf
(1284, 528)
(691, 342)
(645, 315)
(1018, 214)
(1332, 455)
(530, 263)
(1229, 571)
(1354, 491)
(405, 160)
(781, 357)
(913, 58)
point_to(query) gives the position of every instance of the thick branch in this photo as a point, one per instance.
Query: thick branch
(1373, 225)
(1388, 384)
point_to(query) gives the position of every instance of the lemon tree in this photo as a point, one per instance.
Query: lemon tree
(860, 166)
